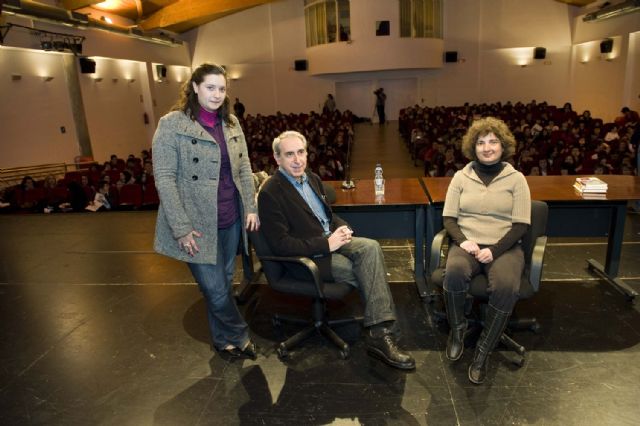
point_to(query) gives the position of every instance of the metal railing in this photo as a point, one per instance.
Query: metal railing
(13, 175)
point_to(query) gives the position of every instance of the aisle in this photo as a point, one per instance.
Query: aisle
(375, 143)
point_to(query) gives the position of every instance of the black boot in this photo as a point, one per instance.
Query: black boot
(382, 344)
(454, 303)
(493, 328)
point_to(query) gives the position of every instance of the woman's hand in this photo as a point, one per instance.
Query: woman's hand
(470, 247)
(188, 243)
(484, 256)
(253, 222)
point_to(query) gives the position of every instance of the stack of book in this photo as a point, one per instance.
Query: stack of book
(591, 186)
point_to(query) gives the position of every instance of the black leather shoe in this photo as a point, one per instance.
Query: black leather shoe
(250, 351)
(385, 348)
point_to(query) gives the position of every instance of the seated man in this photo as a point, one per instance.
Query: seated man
(297, 221)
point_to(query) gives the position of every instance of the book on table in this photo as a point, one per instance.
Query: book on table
(590, 184)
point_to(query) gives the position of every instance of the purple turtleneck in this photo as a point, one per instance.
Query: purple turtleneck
(228, 211)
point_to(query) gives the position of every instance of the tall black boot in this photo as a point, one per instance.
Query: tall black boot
(454, 303)
(493, 329)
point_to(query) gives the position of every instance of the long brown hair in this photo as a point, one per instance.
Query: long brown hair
(188, 102)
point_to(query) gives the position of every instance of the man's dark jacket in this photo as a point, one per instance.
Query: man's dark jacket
(289, 225)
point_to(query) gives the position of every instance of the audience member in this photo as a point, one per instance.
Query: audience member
(238, 109)
(329, 105)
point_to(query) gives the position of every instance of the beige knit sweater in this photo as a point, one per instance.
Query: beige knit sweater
(485, 213)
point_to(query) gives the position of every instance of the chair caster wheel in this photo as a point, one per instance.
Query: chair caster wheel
(519, 362)
(282, 352)
(345, 353)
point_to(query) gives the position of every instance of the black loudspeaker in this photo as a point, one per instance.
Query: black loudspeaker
(161, 70)
(539, 53)
(383, 28)
(87, 66)
(300, 64)
(451, 56)
(606, 46)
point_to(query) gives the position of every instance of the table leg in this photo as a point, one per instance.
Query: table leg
(614, 249)
(419, 252)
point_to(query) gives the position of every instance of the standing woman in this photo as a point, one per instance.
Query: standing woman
(486, 212)
(207, 198)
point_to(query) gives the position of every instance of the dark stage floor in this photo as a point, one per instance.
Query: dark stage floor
(97, 329)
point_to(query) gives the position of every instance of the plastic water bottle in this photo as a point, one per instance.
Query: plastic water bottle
(378, 180)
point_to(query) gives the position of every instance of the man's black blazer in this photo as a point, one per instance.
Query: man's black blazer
(289, 225)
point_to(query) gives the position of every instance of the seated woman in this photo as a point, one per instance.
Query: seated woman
(486, 212)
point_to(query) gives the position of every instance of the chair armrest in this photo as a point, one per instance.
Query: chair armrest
(308, 264)
(537, 259)
(436, 250)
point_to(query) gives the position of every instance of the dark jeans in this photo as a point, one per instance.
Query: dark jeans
(226, 324)
(360, 263)
(503, 275)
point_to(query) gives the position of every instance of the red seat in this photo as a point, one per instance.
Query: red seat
(32, 197)
(89, 192)
(130, 195)
(75, 175)
(58, 195)
(114, 175)
(150, 195)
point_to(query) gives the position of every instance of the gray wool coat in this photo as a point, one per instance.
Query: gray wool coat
(186, 167)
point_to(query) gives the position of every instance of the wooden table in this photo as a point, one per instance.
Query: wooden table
(400, 213)
(570, 214)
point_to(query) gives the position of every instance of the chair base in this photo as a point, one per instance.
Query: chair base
(322, 327)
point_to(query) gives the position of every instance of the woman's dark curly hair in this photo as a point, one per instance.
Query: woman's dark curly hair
(483, 127)
(188, 102)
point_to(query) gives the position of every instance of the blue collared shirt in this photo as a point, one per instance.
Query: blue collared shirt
(313, 201)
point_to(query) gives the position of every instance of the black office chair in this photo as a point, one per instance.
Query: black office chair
(305, 281)
(533, 243)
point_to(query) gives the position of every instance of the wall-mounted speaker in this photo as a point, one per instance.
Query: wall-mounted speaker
(451, 56)
(87, 66)
(161, 70)
(606, 46)
(539, 53)
(300, 65)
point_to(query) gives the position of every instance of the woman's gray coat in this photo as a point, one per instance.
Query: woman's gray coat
(186, 167)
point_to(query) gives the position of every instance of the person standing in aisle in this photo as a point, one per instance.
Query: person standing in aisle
(381, 98)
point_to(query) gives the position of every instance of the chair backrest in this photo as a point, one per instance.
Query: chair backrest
(330, 192)
(274, 271)
(538, 228)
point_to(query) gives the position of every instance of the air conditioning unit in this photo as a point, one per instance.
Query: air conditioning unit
(613, 10)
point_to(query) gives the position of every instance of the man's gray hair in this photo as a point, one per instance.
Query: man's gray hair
(287, 134)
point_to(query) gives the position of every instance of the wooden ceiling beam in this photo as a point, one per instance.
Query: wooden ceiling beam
(187, 10)
(579, 3)
(78, 4)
